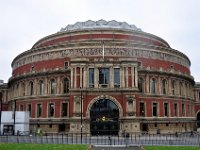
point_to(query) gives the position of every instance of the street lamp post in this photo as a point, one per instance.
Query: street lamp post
(81, 115)
(14, 116)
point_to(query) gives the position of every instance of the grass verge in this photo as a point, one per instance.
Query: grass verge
(21, 146)
(171, 148)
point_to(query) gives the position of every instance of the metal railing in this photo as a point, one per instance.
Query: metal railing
(179, 139)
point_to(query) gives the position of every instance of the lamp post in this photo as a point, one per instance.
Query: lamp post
(14, 116)
(81, 115)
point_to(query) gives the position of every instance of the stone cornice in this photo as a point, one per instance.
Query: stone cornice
(37, 74)
(169, 73)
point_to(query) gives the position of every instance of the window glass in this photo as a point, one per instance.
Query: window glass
(39, 110)
(152, 86)
(142, 109)
(175, 110)
(166, 113)
(91, 77)
(104, 76)
(31, 88)
(116, 77)
(164, 86)
(64, 109)
(41, 87)
(66, 86)
(140, 84)
(155, 109)
(53, 86)
(51, 110)
(172, 87)
(29, 109)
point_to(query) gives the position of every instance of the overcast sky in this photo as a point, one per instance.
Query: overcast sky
(24, 22)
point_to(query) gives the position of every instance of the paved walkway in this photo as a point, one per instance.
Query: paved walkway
(115, 148)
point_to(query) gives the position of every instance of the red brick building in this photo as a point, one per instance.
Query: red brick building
(117, 76)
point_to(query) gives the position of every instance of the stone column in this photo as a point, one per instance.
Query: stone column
(58, 83)
(75, 77)
(159, 86)
(72, 77)
(26, 88)
(147, 83)
(46, 86)
(136, 76)
(133, 76)
(96, 77)
(126, 76)
(85, 77)
(122, 76)
(111, 77)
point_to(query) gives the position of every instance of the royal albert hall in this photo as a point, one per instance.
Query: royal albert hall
(104, 77)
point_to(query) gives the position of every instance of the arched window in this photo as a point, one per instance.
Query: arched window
(41, 87)
(31, 88)
(164, 85)
(53, 86)
(173, 87)
(66, 85)
(22, 89)
(140, 85)
(152, 86)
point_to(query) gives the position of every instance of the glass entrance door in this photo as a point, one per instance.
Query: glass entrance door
(104, 118)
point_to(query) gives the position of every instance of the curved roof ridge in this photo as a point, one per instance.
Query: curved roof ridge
(99, 24)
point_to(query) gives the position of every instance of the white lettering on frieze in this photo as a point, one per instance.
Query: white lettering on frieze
(126, 52)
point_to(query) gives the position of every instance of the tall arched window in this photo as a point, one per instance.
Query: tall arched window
(41, 87)
(140, 85)
(23, 89)
(152, 86)
(53, 86)
(66, 85)
(31, 88)
(164, 85)
(172, 87)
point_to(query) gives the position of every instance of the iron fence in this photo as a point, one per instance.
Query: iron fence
(135, 139)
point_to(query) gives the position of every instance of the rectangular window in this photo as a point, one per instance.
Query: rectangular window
(155, 107)
(166, 109)
(116, 77)
(51, 109)
(29, 109)
(175, 110)
(104, 76)
(91, 77)
(39, 110)
(142, 109)
(183, 109)
(64, 109)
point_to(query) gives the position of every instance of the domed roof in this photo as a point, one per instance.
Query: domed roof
(99, 25)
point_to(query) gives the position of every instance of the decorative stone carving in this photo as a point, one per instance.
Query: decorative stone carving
(130, 52)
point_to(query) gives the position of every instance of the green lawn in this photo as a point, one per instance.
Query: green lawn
(6, 146)
(171, 148)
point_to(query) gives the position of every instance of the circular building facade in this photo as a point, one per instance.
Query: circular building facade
(103, 78)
